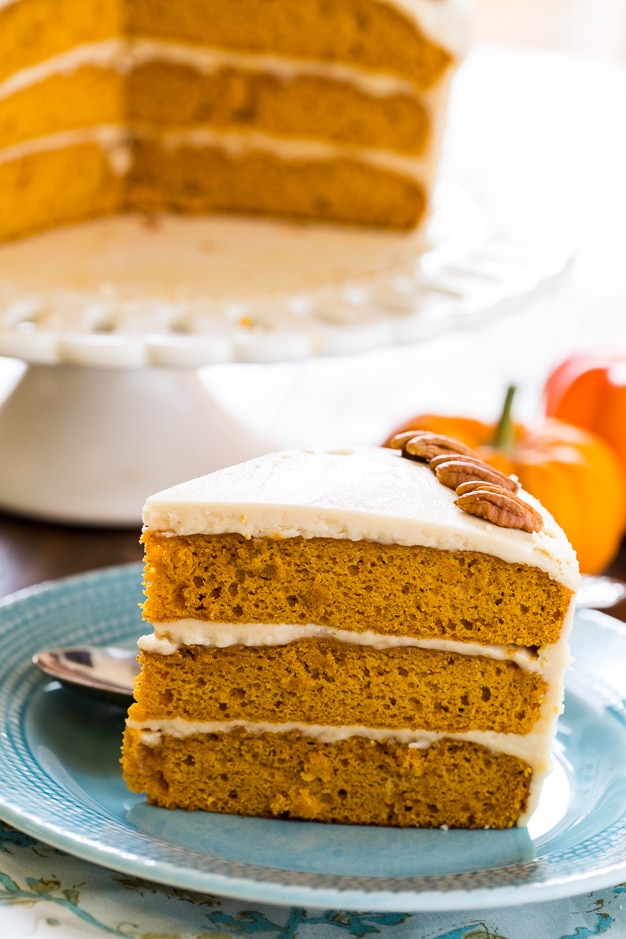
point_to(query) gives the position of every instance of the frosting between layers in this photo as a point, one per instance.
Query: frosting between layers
(124, 55)
(367, 493)
(116, 143)
(167, 638)
(523, 746)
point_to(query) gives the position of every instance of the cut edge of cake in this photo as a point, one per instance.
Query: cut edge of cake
(256, 118)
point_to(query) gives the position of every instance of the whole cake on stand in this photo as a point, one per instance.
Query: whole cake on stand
(143, 149)
(114, 115)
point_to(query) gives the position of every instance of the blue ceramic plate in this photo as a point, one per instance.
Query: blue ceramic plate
(60, 782)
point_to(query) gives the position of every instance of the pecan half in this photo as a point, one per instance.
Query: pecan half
(425, 445)
(499, 506)
(398, 441)
(454, 470)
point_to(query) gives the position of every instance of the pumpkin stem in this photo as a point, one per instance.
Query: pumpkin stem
(504, 438)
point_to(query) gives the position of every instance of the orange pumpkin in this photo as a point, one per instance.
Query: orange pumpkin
(572, 472)
(589, 390)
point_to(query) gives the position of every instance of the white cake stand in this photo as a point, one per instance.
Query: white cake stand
(117, 319)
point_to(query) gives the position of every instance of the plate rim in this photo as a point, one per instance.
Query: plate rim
(253, 888)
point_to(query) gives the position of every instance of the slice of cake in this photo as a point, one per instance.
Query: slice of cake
(314, 109)
(336, 638)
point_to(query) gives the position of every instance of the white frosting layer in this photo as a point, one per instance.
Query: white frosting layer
(117, 144)
(444, 21)
(368, 493)
(238, 143)
(167, 638)
(513, 744)
(123, 55)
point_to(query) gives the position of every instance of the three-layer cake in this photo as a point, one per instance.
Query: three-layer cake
(336, 639)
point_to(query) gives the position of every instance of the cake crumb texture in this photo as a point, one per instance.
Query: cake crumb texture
(365, 33)
(328, 682)
(289, 775)
(195, 180)
(172, 96)
(356, 585)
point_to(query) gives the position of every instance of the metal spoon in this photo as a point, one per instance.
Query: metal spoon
(106, 672)
(109, 672)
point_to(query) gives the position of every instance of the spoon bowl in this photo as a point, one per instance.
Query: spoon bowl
(107, 672)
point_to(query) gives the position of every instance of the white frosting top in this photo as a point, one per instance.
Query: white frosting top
(367, 493)
(444, 21)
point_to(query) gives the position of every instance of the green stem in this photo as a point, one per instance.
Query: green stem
(504, 438)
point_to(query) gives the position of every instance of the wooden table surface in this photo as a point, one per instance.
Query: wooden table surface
(33, 551)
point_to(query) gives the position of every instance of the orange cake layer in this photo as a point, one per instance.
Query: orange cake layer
(402, 589)
(373, 34)
(57, 187)
(195, 179)
(326, 681)
(172, 95)
(51, 187)
(451, 783)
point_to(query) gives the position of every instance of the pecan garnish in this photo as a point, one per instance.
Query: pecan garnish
(499, 506)
(424, 445)
(398, 441)
(452, 471)
(471, 484)
(481, 489)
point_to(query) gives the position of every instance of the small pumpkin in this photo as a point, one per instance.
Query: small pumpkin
(571, 471)
(589, 390)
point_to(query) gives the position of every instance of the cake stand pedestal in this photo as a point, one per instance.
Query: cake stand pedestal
(87, 445)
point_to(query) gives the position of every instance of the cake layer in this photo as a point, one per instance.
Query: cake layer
(381, 35)
(356, 780)
(196, 178)
(165, 85)
(324, 681)
(39, 184)
(354, 585)
(45, 188)
(31, 31)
